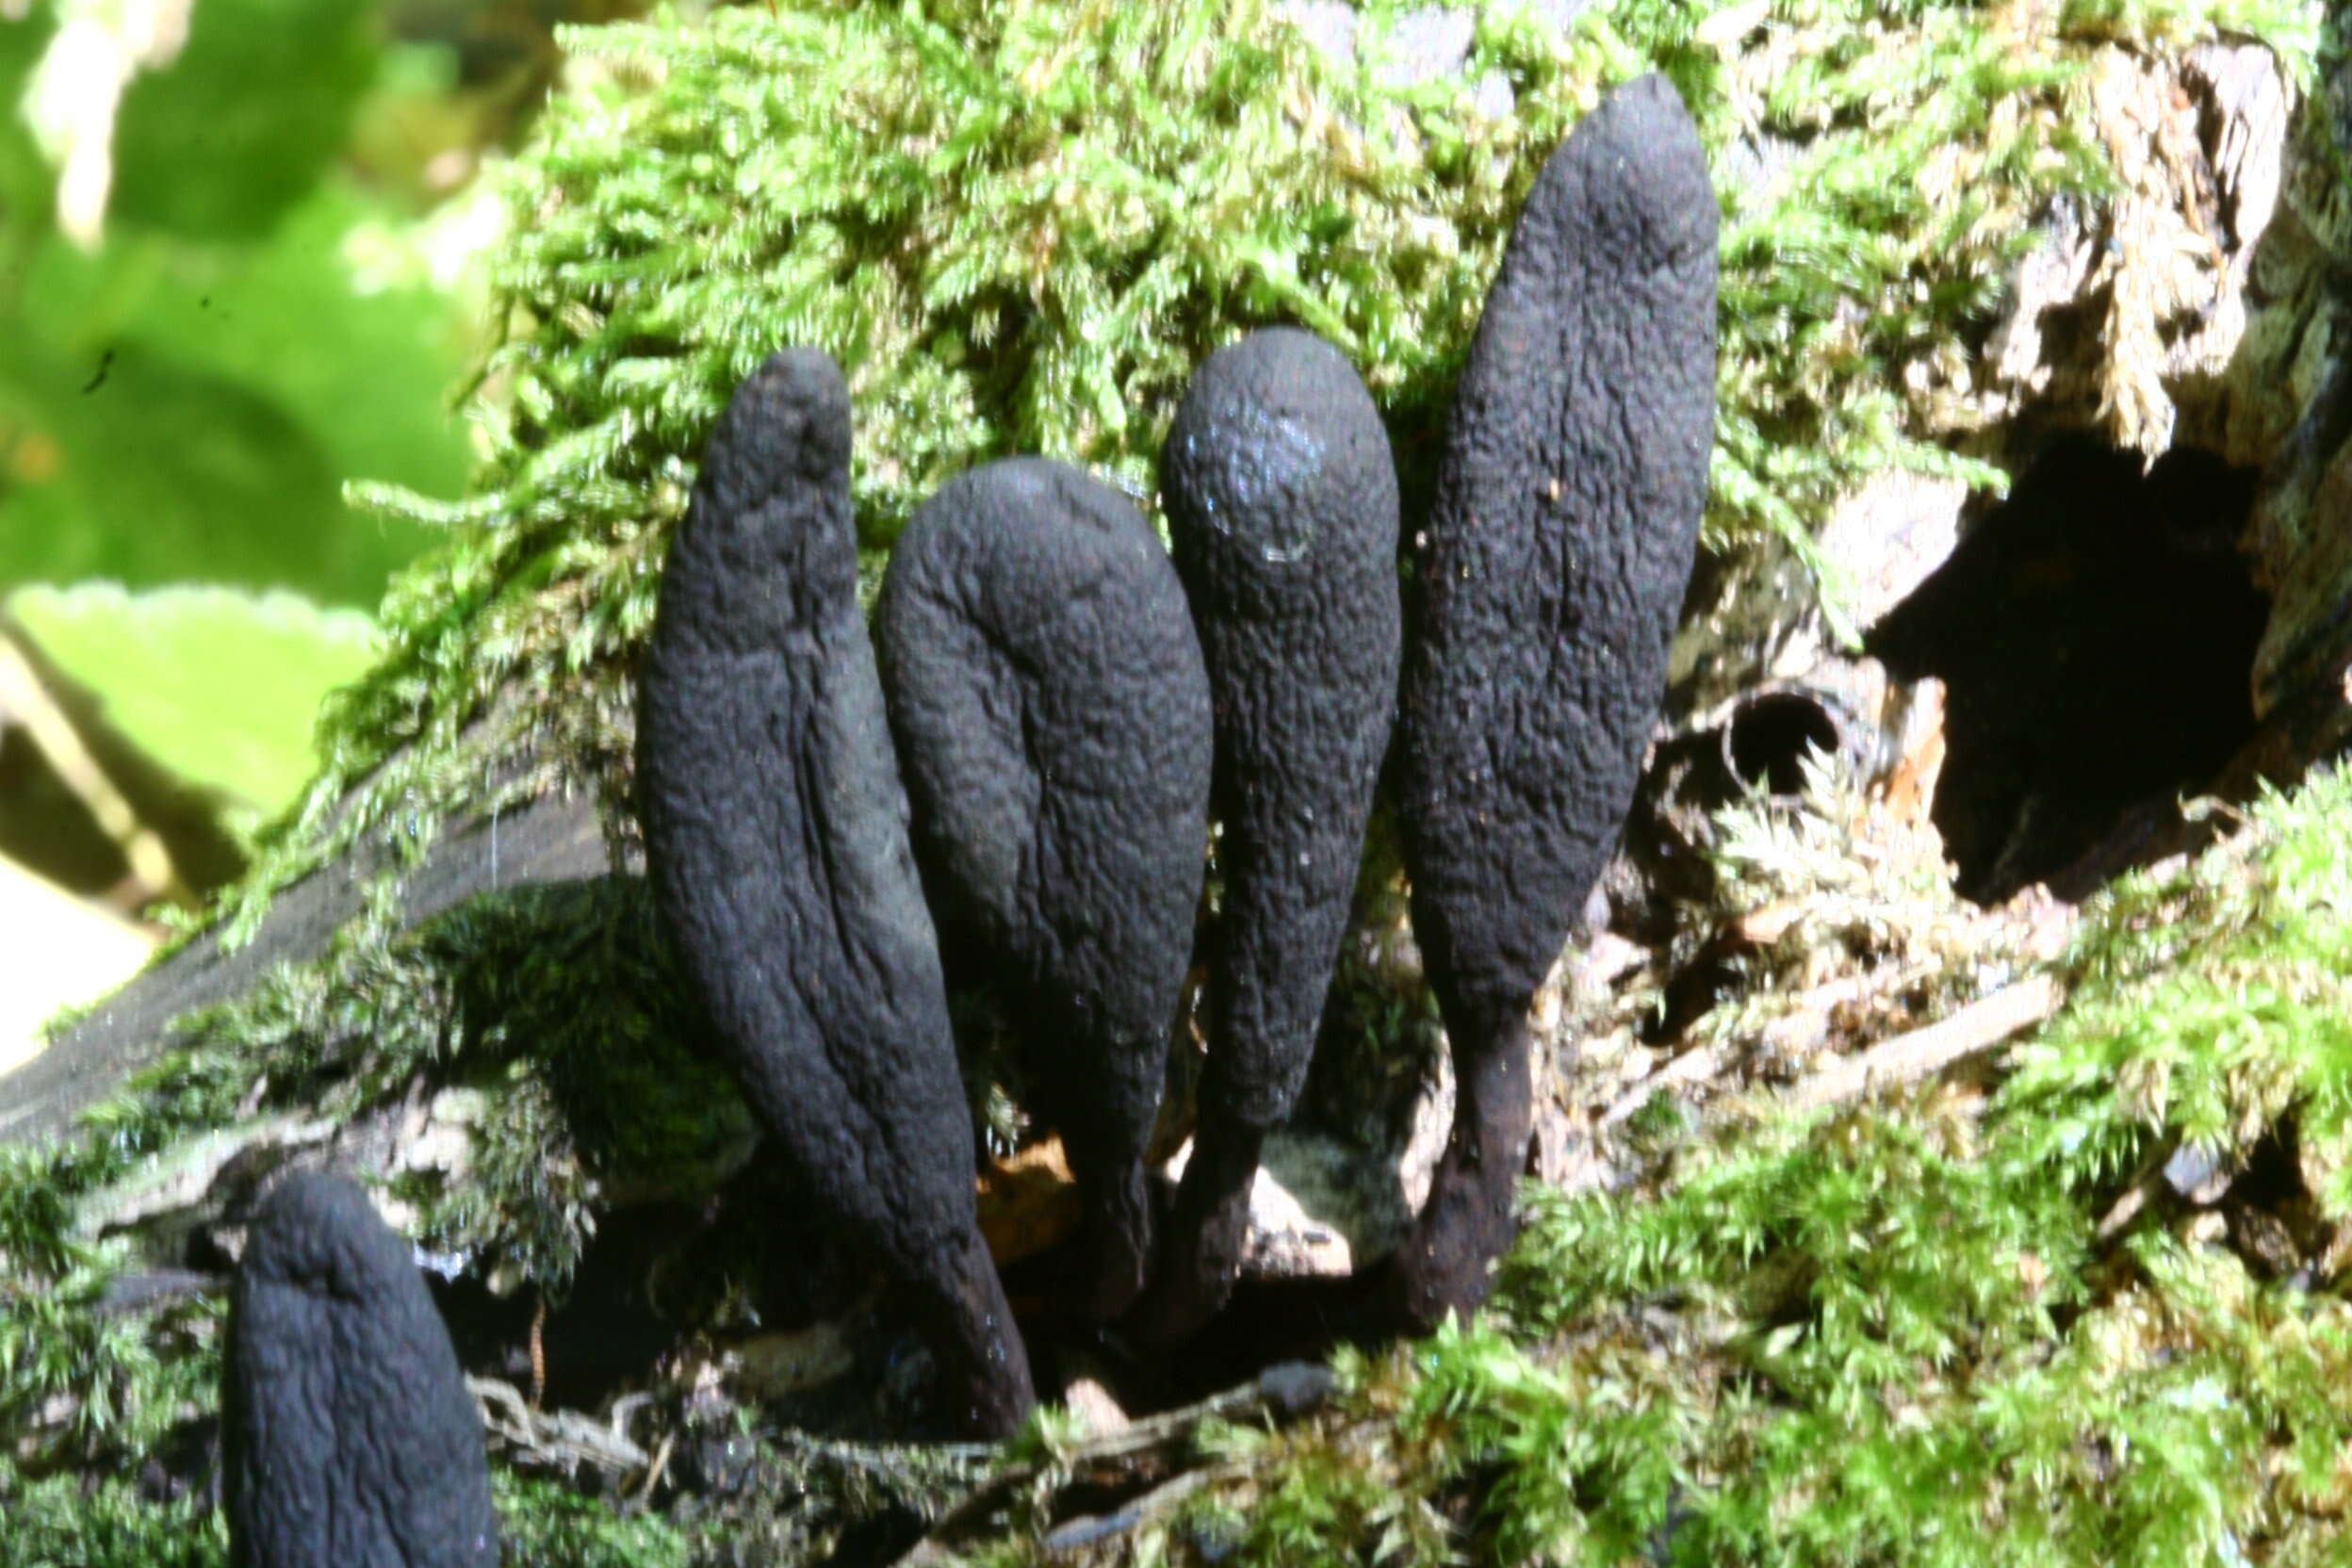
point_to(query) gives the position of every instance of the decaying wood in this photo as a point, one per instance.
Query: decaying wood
(1923, 1052)
(1909, 1057)
(562, 1440)
(551, 840)
(1154, 1461)
(1152, 1454)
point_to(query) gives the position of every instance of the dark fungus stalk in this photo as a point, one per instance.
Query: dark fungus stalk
(1052, 721)
(1557, 550)
(775, 834)
(349, 1439)
(1281, 505)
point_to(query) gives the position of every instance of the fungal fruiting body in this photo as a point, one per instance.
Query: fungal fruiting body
(1557, 554)
(775, 837)
(1281, 504)
(348, 1436)
(1053, 721)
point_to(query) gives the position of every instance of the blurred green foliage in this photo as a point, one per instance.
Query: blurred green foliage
(188, 412)
(183, 403)
(200, 153)
(170, 659)
(184, 396)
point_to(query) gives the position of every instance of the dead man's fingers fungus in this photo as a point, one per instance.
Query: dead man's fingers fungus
(1281, 503)
(775, 837)
(348, 1436)
(1557, 554)
(1053, 721)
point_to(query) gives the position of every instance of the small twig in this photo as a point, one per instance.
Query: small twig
(564, 1439)
(625, 1409)
(539, 1352)
(1698, 1063)
(152, 1290)
(1285, 1391)
(655, 1471)
(1089, 1529)
(1806, 1023)
(2135, 1197)
(1925, 1052)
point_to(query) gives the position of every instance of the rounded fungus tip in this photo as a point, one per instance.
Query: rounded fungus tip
(1046, 690)
(1553, 562)
(349, 1436)
(1281, 503)
(776, 842)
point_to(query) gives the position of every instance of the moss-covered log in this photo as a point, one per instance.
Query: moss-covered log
(1753, 1338)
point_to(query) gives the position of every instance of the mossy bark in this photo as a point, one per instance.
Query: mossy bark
(458, 906)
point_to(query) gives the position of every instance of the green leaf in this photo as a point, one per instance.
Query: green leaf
(227, 138)
(333, 321)
(150, 469)
(219, 687)
(174, 412)
(26, 178)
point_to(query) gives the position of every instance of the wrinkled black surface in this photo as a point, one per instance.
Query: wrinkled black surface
(1046, 690)
(775, 837)
(1281, 505)
(349, 1439)
(1557, 551)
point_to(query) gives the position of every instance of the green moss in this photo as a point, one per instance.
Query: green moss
(545, 1523)
(62, 1523)
(86, 1384)
(1916, 1331)
(1868, 1337)
(1031, 249)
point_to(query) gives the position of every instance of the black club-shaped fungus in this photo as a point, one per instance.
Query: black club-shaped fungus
(1557, 550)
(349, 1437)
(776, 835)
(1281, 505)
(1052, 721)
